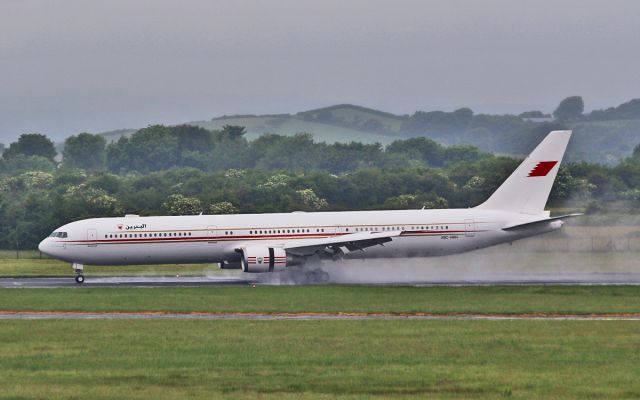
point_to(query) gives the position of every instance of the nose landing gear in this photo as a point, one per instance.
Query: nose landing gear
(78, 268)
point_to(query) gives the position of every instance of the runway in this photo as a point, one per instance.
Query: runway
(199, 281)
(121, 282)
(302, 316)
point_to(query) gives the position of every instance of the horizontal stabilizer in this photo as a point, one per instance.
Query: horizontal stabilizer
(538, 222)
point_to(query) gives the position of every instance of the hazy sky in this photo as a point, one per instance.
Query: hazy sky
(68, 66)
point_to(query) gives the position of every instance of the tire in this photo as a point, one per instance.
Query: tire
(79, 278)
(324, 277)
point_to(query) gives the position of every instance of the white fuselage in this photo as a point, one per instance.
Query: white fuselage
(216, 238)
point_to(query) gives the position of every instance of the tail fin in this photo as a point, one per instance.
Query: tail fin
(527, 189)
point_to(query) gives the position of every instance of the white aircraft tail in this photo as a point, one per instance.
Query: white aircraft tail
(527, 189)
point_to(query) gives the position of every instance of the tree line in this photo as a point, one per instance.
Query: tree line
(160, 147)
(187, 170)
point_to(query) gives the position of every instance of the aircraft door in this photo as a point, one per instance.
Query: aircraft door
(212, 234)
(92, 234)
(469, 228)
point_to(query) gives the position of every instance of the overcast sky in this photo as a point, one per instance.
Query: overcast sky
(68, 66)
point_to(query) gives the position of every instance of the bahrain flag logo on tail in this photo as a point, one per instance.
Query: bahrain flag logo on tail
(542, 168)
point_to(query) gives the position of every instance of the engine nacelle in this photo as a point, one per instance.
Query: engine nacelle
(230, 265)
(263, 259)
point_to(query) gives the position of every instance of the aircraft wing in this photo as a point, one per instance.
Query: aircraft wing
(339, 244)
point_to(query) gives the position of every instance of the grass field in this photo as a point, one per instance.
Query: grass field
(54, 268)
(32, 263)
(177, 359)
(342, 298)
(319, 359)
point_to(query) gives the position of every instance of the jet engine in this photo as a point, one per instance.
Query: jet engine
(230, 264)
(263, 259)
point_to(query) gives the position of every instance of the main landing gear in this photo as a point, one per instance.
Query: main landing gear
(78, 268)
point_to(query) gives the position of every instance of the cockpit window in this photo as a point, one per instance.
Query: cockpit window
(61, 235)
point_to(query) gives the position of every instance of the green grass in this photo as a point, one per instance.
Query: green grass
(495, 299)
(319, 359)
(22, 254)
(32, 266)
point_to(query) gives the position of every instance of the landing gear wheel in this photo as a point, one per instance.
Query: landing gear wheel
(80, 278)
(317, 276)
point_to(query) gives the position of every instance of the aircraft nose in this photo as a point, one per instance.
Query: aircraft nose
(44, 246)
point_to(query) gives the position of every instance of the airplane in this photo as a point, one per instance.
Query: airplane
(263, 243)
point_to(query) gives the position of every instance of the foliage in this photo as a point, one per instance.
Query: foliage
(178, 204)
(187, 170)
(628, 110)
(532, 114)
(31, 144)
(21, 163)
(605, 136)
(149, 149)
(221, 207)
(85, 151)
(311, 200)
(569, 109)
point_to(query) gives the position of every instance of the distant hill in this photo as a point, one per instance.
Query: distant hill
(340, 123)
(604, 136)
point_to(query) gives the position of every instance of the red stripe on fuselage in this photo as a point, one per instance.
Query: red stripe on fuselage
(239, 238)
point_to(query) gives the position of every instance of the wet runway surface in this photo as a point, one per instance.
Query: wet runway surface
(120, 282)
(494, 279)
(38, 315)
